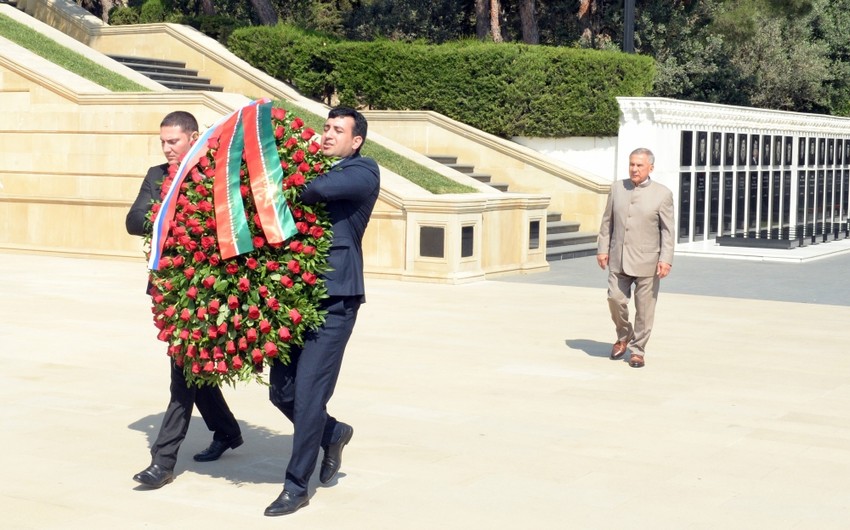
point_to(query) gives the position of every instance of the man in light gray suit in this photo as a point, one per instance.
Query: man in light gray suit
(636, 244)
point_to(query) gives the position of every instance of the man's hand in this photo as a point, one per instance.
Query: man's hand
(602, 260)
(663, 269)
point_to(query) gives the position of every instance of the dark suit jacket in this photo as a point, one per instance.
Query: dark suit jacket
(150, 191)
(350, 190)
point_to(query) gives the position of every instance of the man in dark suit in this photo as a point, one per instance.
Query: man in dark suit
(178, 131)
(302, 388)
(635, 242)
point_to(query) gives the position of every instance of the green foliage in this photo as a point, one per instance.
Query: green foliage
(507, 90)
(152, 11)
(65, 58)
(121, 16)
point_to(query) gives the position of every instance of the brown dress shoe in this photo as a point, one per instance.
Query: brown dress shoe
(619, 349)
(636, 361)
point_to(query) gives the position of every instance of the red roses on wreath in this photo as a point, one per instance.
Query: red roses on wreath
(223, 319)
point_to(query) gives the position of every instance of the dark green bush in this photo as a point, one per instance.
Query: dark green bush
(219, 27)
(505, 89)
(152, 11)
(121, 16)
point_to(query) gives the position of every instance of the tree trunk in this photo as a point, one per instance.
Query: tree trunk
(207, 7)
(530, 33)
(265, 12)
(482, 18)
(495, 25)
(107, 6)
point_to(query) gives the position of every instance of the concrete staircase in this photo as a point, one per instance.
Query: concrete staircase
(564, 240)
(172, 74)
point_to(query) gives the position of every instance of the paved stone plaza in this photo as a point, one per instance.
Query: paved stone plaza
(487, 405)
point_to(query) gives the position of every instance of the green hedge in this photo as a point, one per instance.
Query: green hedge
(504, 89)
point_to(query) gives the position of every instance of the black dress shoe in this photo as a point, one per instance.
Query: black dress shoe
(286, 503)
(155, 476)
(333, 454)
(217, 448)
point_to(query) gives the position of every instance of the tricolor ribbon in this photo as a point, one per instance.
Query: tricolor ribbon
(248, 129)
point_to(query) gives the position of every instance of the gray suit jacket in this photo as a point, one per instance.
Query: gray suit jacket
(637, 228)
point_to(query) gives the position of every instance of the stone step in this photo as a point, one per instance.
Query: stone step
(570, 251)
(147, 61)
(157, 69)
(176, 78)
(443, 159)
(553, 217)
(181, 85)
(569, 238)
(463, 168)
(561, 227)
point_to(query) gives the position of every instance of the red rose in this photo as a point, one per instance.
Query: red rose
(184, 333)
(251, 263)
(264, 326)
(218, 354)
(297, 123)
(213, 307)
(189, 272)
(297, 213)
(308, 134)
(253, 312)
(302, 227)
(309, 278)
(317, 231)
(167, 285)
(201, 313)
(210, 223)
(185, 315)
(298, 156)
(270, 349)
(199, 257)
(209, 366)
(205, 206)
(158, 299)
(230, 347)
(215, 259)
(205, 354)
(196, 368)
(295, 316)
(237, 321)
(196, 334)
(278, 132)
(192, 292)
(212, 332)
(232, 302)
(297, 179)
(296, 246)
(207, 242)
(237, 362)
(243, 285)
(243, 344)
(256, 356)
(310, 217)
(244, 191)
(202, 190)
(231, 268)
(273, 304)
(251, 335)
(170, 311)
(212, 143)
(284, 334)
(272, 265)
(284, 165)
(286, 281)
(178, 261)
(309, 250)
(317, 167)
(221, 367)
(278, 113)
(304, 167)
(209, 282)
(264, 291)
(259, 241)
(313, 148)
(191, 351)
(292, 142)
(222, 328)
(293, 266)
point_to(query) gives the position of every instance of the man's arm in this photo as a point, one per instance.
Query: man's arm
(351, 181)
(148, 192)
(668, 235)
(603, 240)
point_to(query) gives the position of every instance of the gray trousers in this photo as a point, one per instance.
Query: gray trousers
(646, 293)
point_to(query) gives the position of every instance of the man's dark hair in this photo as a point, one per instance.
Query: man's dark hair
(360, 125)
(182, 119)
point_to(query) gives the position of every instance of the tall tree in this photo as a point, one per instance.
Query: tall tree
(265, 12)
(482, 18)
(528, 18)
(495, 22)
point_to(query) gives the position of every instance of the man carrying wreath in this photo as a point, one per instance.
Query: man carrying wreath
(178, 131)
(302, 388)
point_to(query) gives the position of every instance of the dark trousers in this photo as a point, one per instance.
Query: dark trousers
(302, 388)
(175, 423)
